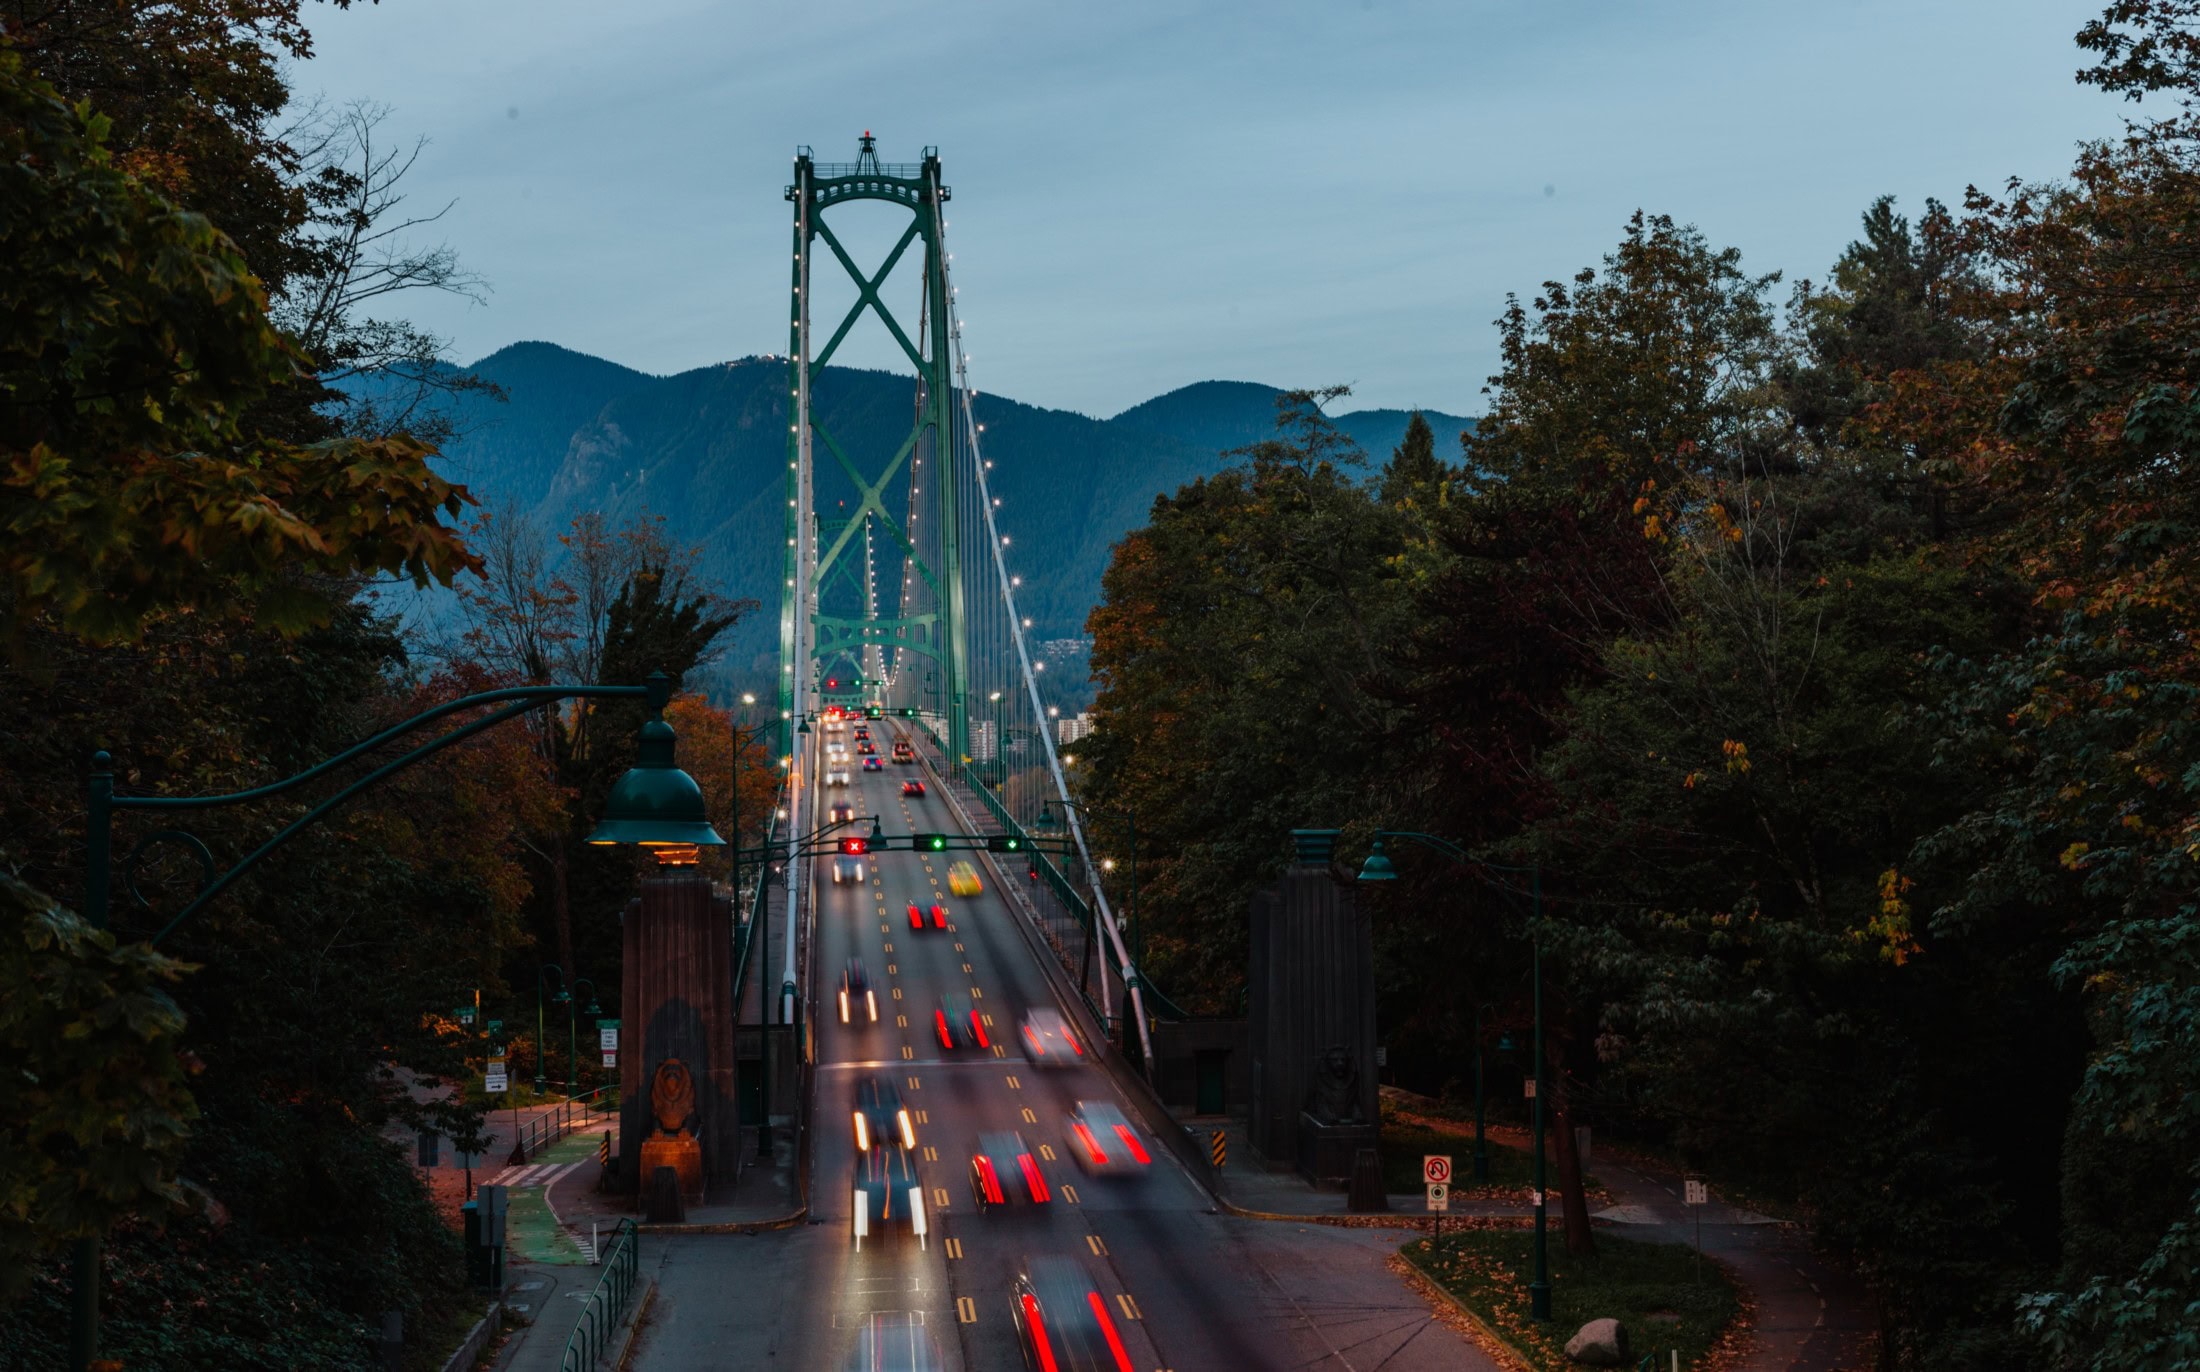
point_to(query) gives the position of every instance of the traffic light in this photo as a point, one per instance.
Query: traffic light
(928, 843)
(908, 712)
(855, 847)
(1003, 843)
(873, 712)
(832, 683)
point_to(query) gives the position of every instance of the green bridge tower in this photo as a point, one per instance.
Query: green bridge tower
(815, 630)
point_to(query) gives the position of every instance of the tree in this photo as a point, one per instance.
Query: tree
(131, 485)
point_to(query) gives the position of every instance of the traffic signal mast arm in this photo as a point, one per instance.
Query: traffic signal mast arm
(825, 841)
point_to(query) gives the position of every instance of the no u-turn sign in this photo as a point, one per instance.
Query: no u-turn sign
(1436, 1169)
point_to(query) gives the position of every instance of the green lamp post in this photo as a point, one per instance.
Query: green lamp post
(655, 805)
(542, 1052)
(573, 1012)
(1130, 824)
(1379, 867)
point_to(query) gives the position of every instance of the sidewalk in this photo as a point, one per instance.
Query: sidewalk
(1806, 1317)
(765, 1197)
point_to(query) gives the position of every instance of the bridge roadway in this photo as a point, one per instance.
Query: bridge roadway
(1189, 1289)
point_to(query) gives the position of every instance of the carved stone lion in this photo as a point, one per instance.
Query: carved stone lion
(672, 1096)
(1333, 1093)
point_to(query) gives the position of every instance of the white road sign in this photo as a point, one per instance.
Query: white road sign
(611, 1059)
(1436, 1168)
(1439, 1196)
(1698, 1193)
(607, 1038)
(496, 1083)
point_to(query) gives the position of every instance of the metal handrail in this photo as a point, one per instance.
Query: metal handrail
(543, 1130)
(606, 1304)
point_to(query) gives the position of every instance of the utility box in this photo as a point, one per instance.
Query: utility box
(484, 1220)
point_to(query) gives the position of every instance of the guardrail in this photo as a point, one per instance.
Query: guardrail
(606, 1304)
(744, 934)
(545, 1129)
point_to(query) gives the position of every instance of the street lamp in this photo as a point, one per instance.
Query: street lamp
(654, 805)
(573, 1012)
(541, 1050)
(1379, 867)
(1130, 824)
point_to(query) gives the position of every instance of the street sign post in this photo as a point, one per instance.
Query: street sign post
(1439, 1196)
(1696, 1195)
(607, 1038)
(494, 1081)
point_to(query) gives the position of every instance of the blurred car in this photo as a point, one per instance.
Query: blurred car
(843, 812)
(903, 752)
(917, 916)
(1104, 1140)
(1048, 1041)
(837, 776)
(1062, 1320)
(872, 764)
(856, 995)
(863, 731)
(962, 879)
(886, 1185)
(864, 747)
(912, 787)
(894, 1341)
(847, 868)
(1003, 1172)
(959, 1026)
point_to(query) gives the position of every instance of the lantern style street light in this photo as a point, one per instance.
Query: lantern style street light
(1379, 867)
(655, 805)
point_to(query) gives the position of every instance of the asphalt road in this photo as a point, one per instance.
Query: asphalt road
(1188, 1289)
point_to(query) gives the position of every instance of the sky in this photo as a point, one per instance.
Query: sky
(1148, 193)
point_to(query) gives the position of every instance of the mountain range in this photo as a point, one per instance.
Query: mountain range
(706, 449)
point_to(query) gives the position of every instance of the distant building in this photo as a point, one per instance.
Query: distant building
(1071, 730)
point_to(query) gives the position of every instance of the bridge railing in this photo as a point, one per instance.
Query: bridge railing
(606, 1305)
(559, 1120)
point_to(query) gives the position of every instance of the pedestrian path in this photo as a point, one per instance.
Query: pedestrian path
(533, 1228)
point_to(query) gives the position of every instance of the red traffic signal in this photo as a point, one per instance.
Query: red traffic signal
(855, 847)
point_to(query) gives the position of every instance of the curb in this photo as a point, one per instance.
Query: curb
(786, 1221)
(1481, 1325)
(634, 1327)
(1376, 1219)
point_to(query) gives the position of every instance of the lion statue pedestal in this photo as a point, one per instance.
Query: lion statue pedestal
(673, 1144)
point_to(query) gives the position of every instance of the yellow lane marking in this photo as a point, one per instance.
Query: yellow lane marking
(999, 1051)
(921, 1116)
(1029, 1117)
(950, 926)
(1130, 1307)
(931, 1154)
(976, 994)
(913, 1084)
(897, 993)
(901, 1021)
(958, 947)
(1099, 1249)
(884, 930)
(939, 1198)
(889, 947)
(891, 969)
(907, 1052)
(954, 1248)
(989, 1021)
(966, 1310)
(966, 969)
(1069, 1193)
(1046, 1151)
(1015, 1085)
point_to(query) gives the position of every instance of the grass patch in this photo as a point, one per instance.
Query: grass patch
(1406, 1138)
(1626, 1279)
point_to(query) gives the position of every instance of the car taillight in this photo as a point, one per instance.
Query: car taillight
(989, 1180)
(1071, 1039)
(939, 916)
(1038, 1045)
(1130, 1141)
(870, 998)
(939, 1017)
(1092, 1145)
(1107, 1327)
(1032, 1179)
(843, 1006)
(916, 919)
(908, 1135)
(1039, 1334)
(863, 1134)
(977, 1027)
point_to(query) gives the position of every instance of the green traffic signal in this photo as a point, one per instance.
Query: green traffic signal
(1003, 843)
(873, 712)
(928, 843)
